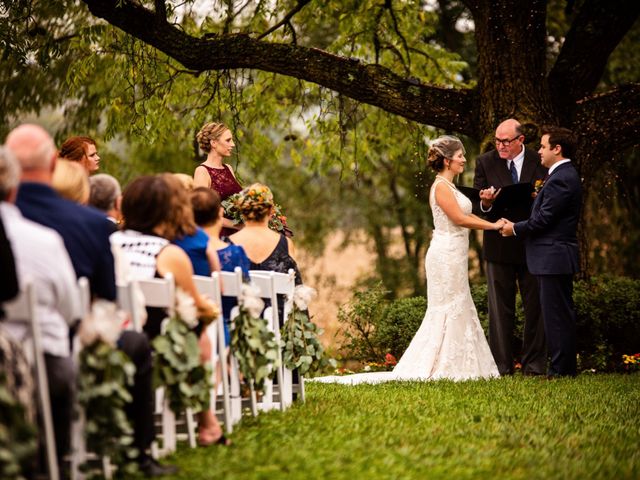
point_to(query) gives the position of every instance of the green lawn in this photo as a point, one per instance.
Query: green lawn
(517, 428)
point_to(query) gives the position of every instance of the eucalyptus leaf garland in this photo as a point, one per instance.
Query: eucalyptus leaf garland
(302, 348)
(177, 368)
(255, 347)
(104, 375)
(18, 441)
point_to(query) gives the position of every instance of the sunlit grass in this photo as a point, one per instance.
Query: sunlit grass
(516, 428)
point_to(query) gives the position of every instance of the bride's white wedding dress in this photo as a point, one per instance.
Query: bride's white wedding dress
(450, 342)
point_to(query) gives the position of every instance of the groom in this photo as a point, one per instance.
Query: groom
(552, 246)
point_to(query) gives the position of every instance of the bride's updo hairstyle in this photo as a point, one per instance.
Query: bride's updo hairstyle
(442, 148)
(210, 132)
(255, 202)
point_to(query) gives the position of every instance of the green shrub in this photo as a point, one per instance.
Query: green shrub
(359, 319)
(608, 321)
(398, 325)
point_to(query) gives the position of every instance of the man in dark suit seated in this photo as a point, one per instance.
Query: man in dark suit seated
(510, 163)
(552, 246)
(85, 232)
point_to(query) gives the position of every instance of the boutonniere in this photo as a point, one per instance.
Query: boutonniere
(537, 186)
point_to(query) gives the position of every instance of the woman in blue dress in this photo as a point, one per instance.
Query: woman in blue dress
(207, 212)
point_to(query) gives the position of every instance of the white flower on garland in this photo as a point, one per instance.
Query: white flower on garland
(250, 300)
(103, 323)
(302, 295)
(186, 308)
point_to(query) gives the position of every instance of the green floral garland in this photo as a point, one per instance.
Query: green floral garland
(18, 443)
(302, 348)
(255, 348)
(177, 368)
(105, 372)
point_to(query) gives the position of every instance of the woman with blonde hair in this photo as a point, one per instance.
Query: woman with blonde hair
(216, 140)
(266, 249)
(70, 180)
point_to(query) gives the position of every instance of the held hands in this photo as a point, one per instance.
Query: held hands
(507, 228)
(488, 195)
(499, 224)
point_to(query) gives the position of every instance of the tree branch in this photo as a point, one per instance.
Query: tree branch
(446, 108)
(287, 18)
(596, 31)
(616, 111)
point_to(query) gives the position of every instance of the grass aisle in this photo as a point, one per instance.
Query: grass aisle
(516, 428)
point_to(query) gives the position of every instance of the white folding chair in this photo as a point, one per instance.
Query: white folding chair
(126, 300)
(23, 308)
(285, 284)
(213, 287)
(161, 293)
(272, 284)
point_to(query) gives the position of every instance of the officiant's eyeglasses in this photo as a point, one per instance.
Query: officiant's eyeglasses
(506, 142)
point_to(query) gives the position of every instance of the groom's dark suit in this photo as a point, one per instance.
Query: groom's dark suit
(506, 265)
(552, 256)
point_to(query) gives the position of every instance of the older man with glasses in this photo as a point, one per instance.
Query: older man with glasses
(510, 163)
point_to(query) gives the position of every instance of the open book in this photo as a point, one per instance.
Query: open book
(516, 193)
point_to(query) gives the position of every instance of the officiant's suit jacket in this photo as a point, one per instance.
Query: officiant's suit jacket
(550, 232)
(491, 170)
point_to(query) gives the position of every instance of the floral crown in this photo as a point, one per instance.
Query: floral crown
(255, 194)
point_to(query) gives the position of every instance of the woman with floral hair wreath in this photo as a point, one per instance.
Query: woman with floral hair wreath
(266, 249)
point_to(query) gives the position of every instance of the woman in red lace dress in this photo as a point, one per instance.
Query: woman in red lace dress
(217, 141)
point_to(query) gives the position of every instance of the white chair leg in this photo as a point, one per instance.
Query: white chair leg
(168, 428)
(224, 373)
(78, 446)
(301, 389)
(107, 468)
(267, 402)
(47, 419)
(286, 390)
(191, 428)
(234, 390)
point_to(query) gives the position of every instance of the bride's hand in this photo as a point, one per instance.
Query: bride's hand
(499, 224)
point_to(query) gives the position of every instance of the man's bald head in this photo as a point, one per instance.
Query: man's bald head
(32, 146)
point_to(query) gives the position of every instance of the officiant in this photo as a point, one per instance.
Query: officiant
(510, 163)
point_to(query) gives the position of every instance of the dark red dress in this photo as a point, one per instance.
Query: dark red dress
(225, 184)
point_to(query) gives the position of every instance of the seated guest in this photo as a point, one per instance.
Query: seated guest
(207, 212)
(266, 249)
(70, 181)
(105, 194)
(189, 236)
(152, 218)
(83, 150)
(8, 280)
(85, 232)
(41, 257)
(185, 180)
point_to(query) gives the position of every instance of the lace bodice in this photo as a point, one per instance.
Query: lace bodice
(442, 223)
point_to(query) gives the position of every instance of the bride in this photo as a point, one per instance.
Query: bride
(450, 342)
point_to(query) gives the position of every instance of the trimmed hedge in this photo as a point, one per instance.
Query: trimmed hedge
(607, 308)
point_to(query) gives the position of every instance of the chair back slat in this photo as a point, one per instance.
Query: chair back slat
(159, 292)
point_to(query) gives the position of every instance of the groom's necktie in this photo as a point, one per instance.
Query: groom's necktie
(514, 172)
